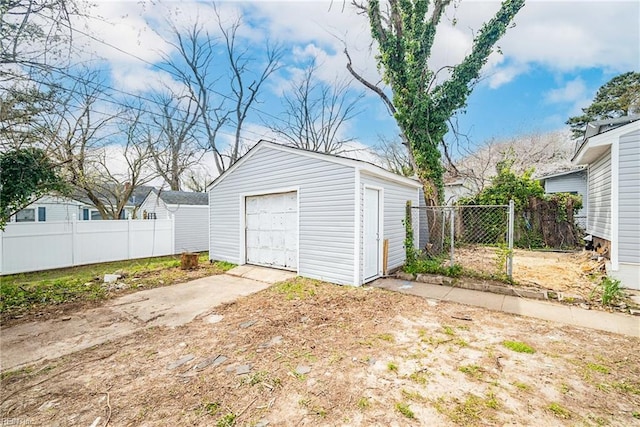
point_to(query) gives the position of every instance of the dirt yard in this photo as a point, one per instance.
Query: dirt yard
(308, 353)
(572, 272)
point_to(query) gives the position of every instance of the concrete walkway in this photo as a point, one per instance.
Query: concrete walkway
(571, 315)
(170, 306)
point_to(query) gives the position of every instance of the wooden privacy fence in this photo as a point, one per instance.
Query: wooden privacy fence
(26, 247)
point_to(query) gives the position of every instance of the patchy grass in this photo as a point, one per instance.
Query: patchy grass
(474, 371)
(559, 411)
(433, 266)
(348, 384)
(297, 288)
(598, 368)
(364, 403)
(27, 292)
(405, 410)
(470, 411)
(518, 347)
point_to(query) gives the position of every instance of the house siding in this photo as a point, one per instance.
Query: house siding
(57, 208)
(575, 182)
(326, 210)
(599, 207)
(395, 197)
(153, 204)
(629, 199)
(191, 228)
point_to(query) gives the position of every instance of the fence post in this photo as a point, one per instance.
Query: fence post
(74, 238)
(173, 234)
(452, 234)
(129, 239)
(510, 239)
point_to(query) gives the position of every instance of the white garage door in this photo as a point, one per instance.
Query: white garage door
(272, 230)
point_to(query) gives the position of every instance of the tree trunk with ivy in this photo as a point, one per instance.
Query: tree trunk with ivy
(423, 99)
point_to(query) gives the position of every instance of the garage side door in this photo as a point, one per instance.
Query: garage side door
(272, 230)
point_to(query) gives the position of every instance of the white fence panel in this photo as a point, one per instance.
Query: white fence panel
(37, 246)
(152, 236)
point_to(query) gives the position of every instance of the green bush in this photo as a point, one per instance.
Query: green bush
(432, 266)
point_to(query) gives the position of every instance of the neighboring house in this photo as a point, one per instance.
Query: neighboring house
(49, 208)
(611, 151)
(456, 189)
(62, 208)
(190, 212)
(572, 181)
(322, 216)
(89, 212)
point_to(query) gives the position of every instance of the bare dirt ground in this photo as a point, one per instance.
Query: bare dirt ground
(308, 353)
(572, 272)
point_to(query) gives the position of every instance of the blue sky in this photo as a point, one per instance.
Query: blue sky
(553, 61)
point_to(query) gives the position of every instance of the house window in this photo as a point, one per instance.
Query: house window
(95, 215)
(42, 214)
(26, 215)
(85, 214)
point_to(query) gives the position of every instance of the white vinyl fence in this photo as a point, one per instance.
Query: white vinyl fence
(38, 246)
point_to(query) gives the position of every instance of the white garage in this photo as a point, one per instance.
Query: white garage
(323, 216)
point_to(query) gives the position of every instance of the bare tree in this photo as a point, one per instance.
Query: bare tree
(85, 141)
(115, 188)
(545, 152)
(395, 157)
(199, 71)
(174, 150)
(316, 112)
(35, 33)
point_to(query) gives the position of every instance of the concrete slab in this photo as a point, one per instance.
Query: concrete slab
(167, 306)
(413, 288)
(480, 299)
(566, 314)
(262, 274)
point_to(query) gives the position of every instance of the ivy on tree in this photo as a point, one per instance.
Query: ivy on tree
(423, 102)
(26, 174)
(619, 97)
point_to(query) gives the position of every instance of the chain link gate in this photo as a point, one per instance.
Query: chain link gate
(479, 238)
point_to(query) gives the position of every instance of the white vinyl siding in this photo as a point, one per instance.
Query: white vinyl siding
(153, 204)
(571, 183)
(599, 207)
(629, 199)
(191, 227)
(326, 210)
(395, 197)
(56, 208)
(191, 231)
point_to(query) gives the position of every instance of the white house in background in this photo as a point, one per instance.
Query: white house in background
(572, 181)
(49, 208)
(323, 216)
(61, 208)
(190, 212)
(456, 189)
(611, 151)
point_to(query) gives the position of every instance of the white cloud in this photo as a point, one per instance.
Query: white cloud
(572, 91)
(136, 78)
(566, 36)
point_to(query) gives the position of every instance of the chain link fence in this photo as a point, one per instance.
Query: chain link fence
(477, 238)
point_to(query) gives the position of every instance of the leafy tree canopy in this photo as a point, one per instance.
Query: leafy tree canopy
(423, 99)
(616, 98)
(26, 175)
(507, 185)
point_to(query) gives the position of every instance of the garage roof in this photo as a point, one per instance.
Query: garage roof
(366, 167)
